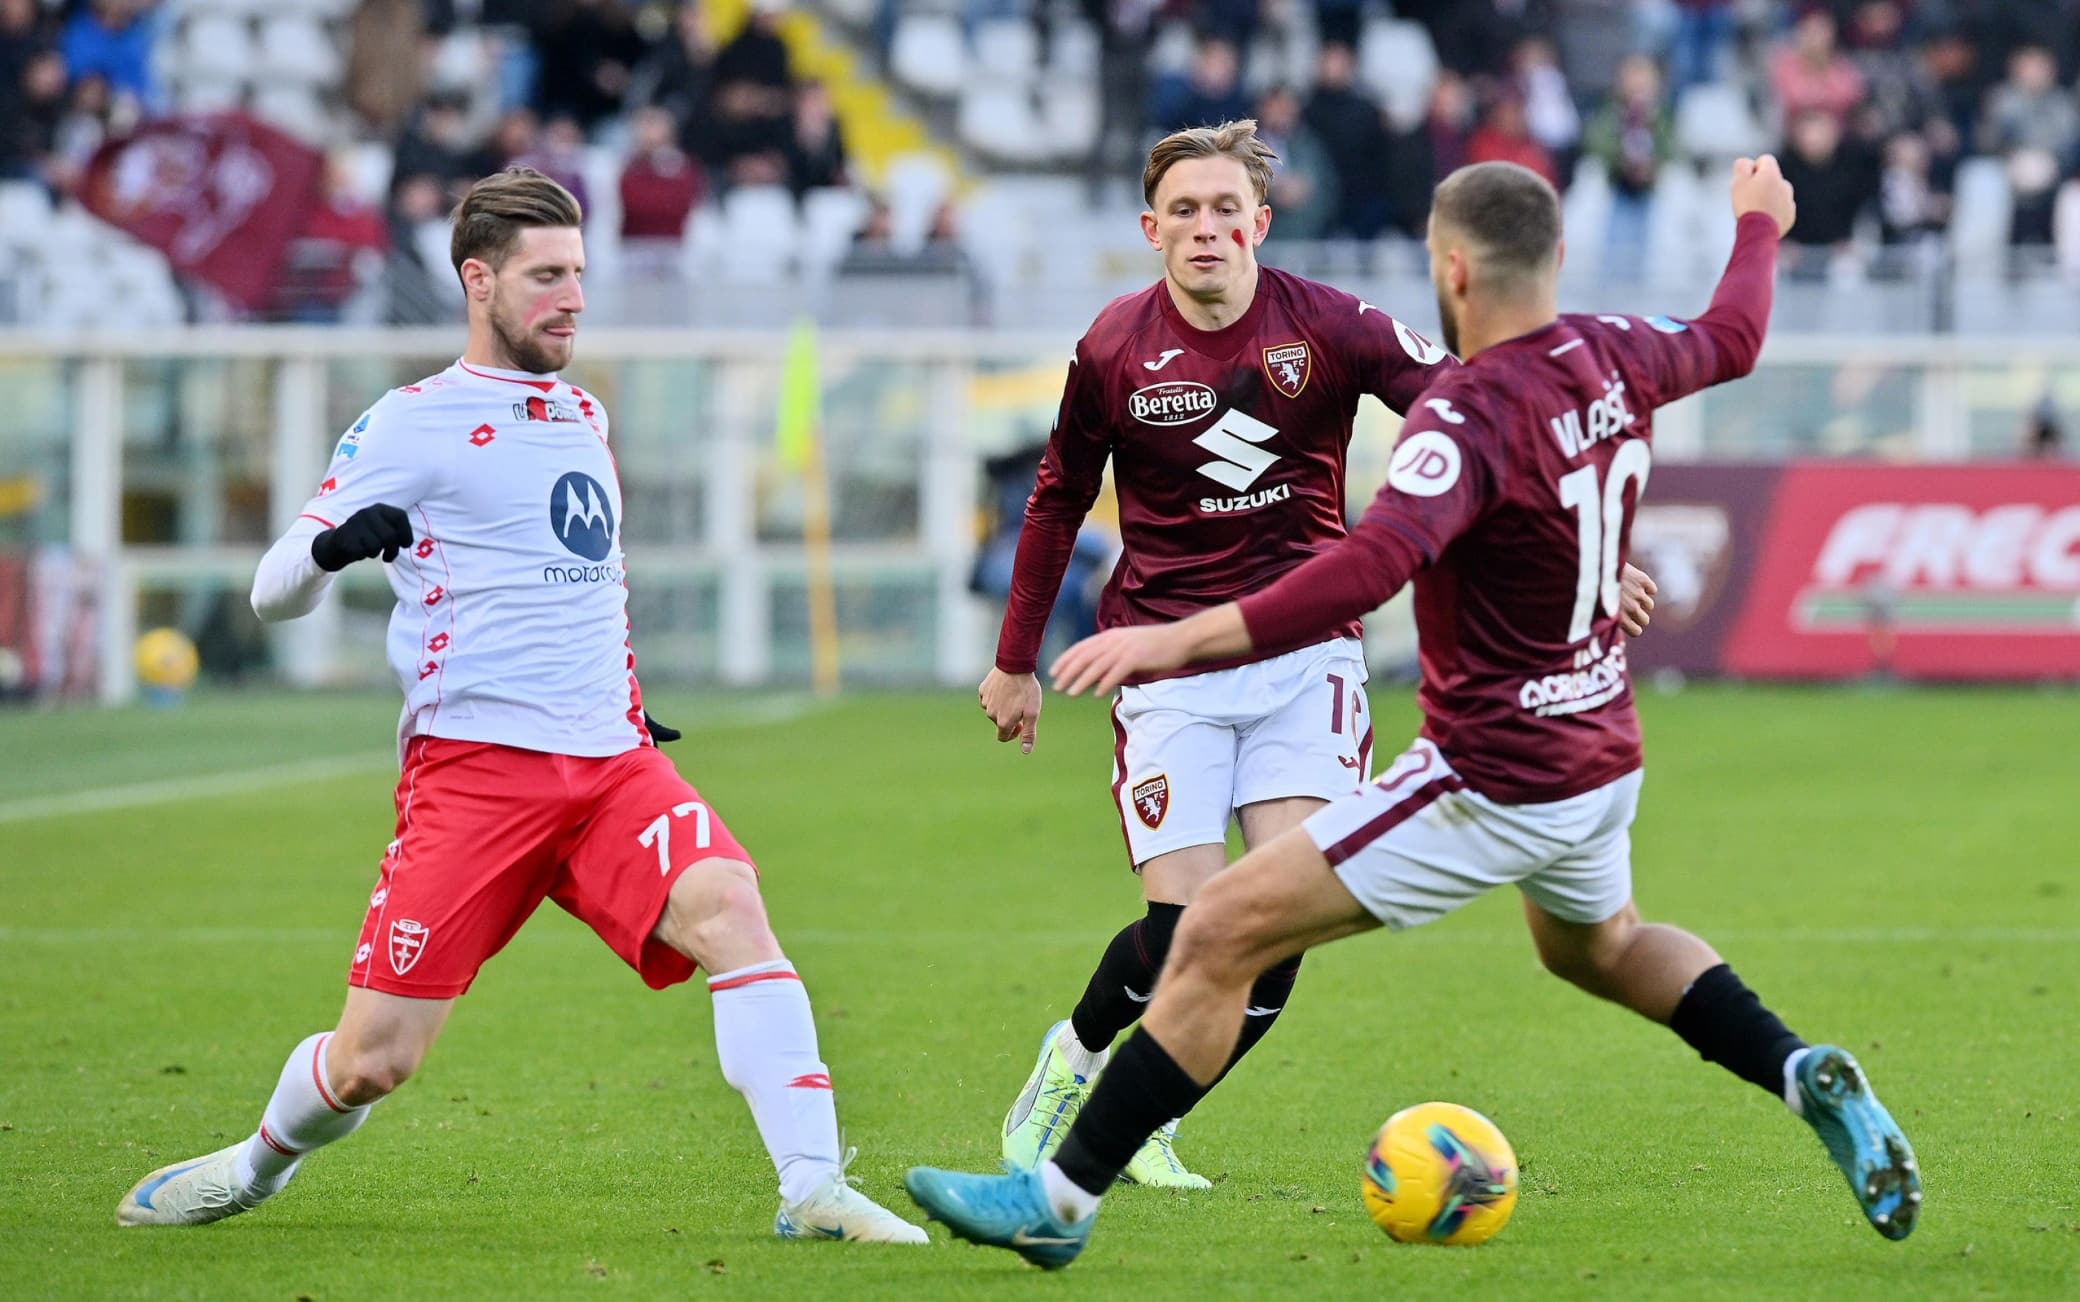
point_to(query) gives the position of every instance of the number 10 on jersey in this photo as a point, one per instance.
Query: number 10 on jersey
(1600, 520)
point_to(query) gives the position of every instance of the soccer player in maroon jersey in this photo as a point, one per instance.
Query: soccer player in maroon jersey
(1222, 395)
(1508, 503)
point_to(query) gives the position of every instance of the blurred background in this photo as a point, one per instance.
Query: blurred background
(840, 252)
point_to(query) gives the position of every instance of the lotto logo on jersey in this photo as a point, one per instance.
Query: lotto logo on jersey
(582, 516)
(407, 942)
(1174, 402)
(1152, 800)
(1287, 368)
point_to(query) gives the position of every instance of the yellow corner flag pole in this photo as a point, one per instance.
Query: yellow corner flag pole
(798, 436)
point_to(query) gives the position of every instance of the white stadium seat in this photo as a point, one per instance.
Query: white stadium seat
(296, 48)
(1398, 64)
(1006, 50)
(929, 54)
(998, 120)
(1713, 122)
(1072, 53)
(295, 110)
(209, 94)
(831, 215)
(216, 46)
(25, 212)
(1069, 119)
(916, 185)
(761, 234)
(1979, 223)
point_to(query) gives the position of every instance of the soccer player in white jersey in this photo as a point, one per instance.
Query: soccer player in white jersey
(529, 769)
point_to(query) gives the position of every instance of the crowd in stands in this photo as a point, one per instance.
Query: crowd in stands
(1874, 106)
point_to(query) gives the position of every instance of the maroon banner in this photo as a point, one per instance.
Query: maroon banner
(1839, 570)
(220, 195)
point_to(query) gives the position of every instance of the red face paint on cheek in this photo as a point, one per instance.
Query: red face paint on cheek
(1238, 239)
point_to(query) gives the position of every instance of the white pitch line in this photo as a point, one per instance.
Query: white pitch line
(756, 713)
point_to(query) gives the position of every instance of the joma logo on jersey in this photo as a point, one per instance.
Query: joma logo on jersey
(1152, 800)
(581, 516)
(1173, 402)
(1287, 368)
(550, 409)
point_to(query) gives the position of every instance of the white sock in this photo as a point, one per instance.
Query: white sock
(1071, 1201)
(302, 1114)
(765, 1039)
(1792, 1098)
(1084, 1062)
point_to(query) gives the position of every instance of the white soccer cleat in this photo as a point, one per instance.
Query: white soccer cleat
(836, 1210)
(194, 1192)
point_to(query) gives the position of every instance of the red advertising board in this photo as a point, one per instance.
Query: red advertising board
(1840, 570)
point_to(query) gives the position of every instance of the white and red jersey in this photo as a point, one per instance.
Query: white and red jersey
(511, 623)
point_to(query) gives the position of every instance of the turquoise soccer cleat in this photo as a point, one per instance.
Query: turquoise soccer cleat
(1862, 1138)
(999, 1211)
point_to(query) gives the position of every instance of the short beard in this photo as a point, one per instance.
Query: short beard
(1447, 319)
(527, 353)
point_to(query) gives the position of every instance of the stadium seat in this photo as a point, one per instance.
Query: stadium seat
(1979, 222)
(25, 213)
(831, 215)
(295, 109)
(916, 185)
(854, 13)
(216, 46)
(997, 120)
(761, 234)
(1070, 115)
(1398, 64)
(1072, 53)
(209, 94)
(296, 48)
(929, 55)
(1713, 122)
(1007, 51)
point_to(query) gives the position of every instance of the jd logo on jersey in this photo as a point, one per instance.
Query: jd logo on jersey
(1286, 367)
(582, 516)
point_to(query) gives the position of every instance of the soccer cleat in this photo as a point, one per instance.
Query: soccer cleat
(999, 1211)
(1156, 1165)
(1040, 1117)
(836, 1210)
(194, 1192)
(1862, 1138)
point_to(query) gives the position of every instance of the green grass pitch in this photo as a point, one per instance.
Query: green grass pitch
(1894, 870)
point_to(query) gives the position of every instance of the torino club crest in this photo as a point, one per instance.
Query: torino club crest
(1152, 800)
(407, 942)
(1287, 368)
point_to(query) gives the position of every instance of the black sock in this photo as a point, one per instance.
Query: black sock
(1131, 963)
(1723, 1020)
(1269, 995)
(1142, 1090)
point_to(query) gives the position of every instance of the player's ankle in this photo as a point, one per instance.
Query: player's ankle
(1069, 1201)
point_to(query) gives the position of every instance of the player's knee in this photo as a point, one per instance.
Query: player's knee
(716, 910)
(361, 1075)
(1213, 943)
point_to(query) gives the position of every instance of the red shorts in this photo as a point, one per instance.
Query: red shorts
(484, 832)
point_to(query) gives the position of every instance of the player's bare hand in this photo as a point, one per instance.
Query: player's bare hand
(1759, 186)
(1636, 591)
(1100, 664)
(1012, 702)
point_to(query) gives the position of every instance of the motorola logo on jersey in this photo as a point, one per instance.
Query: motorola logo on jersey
(582, 516)
(1174, 402)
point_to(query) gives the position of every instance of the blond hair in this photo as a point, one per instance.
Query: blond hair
(488, 221)
(1236, 140)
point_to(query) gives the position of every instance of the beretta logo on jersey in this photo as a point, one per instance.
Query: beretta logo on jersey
(1287, 368)
(1152, 800)
(550, 409)
(582, 516)
(1173, 402)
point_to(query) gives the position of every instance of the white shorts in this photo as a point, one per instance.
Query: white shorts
(1417, 844)
(1188, 752)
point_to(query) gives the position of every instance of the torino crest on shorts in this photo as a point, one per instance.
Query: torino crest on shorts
(1152, 800)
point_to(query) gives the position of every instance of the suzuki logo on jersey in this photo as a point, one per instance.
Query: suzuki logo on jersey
(1286, 367)
(1152, 800)
(582, 517)
(407, 942)
(540, 408)
(1173, 402)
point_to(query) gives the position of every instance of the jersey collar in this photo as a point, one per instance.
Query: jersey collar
(528, 378)
(1226, 341)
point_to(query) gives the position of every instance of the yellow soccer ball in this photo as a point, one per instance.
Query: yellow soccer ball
(1440, 1173)
(166, 661)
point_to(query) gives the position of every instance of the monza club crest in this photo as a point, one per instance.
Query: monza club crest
(407, 942)
(1286, 366)
(1152, 800)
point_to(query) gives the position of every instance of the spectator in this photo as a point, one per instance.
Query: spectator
(1338, 22)
(678, 76)
(1549, 111)
(587, 49)
(438, 143)
(2044, 430)
(112, 40)
(753, 103)
(661, 185)
(1833, 183)
(23, 36)
(560, 156)
(385, 65)
(816, 151)
(1504, 137)
(1634, 138)
(1123, 32)
(29, 124)
(1913, 204)
(1353, 134)
(423, 288)
(1449, 125)
(89, 118)
(2032, 125)
(1210, 95)
(1898, 93)
(1704, 29)
(1809, 74)
(515, 137)
(341, 249)
(1594, 35)
(1303, 188)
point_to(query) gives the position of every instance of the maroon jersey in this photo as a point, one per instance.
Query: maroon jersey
(1510, 501)
(1227, 450)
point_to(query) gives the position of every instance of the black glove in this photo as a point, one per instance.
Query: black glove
(660, 732)
(381, 528)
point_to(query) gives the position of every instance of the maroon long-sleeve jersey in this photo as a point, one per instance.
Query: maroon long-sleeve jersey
(1509, 500)
(1227, 450)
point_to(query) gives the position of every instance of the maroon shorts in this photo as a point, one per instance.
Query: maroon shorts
(485, 832)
